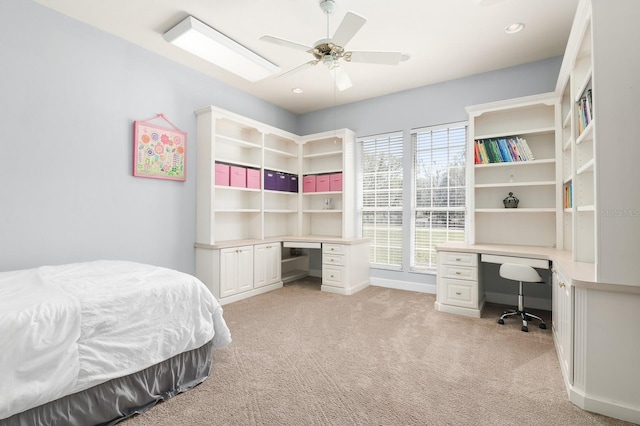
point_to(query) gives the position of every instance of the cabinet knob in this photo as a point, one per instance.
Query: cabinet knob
(458, 259)
(561, 283)
(457, 273)
(458, 293)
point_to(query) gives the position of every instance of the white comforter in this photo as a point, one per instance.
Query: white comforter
(66, 328)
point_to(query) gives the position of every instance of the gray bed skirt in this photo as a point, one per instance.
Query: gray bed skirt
(123, 397)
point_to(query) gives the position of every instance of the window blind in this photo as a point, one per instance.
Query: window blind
(438, 211)
(381, 197)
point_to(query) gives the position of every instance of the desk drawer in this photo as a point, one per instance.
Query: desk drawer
(332, 248)
(459, 272)
(333, 276)
(329, 259)
(461, 293)
(457, 258)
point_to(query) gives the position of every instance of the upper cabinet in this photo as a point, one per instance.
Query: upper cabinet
(250, 181)
(512, 151)
(599, 96)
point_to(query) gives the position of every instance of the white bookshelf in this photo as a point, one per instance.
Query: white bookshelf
(536, 220)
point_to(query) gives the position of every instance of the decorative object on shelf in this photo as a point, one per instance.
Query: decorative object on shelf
(510, 202)
(159, 152)
(328, 203)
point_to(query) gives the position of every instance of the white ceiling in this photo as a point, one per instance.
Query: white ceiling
(446, 39)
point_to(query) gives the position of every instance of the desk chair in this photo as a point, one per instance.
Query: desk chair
(520, 273)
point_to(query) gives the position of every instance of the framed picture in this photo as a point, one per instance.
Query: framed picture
(159, 152)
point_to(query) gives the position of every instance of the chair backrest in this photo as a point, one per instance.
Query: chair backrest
(517, 272)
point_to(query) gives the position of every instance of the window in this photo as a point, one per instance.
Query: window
(381, 197)
(440, 190)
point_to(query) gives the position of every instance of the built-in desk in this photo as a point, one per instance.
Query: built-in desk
(595, 325)
(235, 270)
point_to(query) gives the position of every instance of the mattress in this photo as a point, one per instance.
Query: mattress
(70, 327)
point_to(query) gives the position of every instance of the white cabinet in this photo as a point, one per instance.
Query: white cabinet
(457, 284)
(345, 267)
(562, 322)
(267, 267)
(534, 182)
(230, 215)
(227, 272)
(236, 270)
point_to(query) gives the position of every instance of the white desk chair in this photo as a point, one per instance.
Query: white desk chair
(520, 273)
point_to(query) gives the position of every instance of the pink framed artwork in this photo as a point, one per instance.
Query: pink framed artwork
(159, 152)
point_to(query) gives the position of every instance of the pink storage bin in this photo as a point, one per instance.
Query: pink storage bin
(309, 183)
(322, 183)
(238, 176)
(222, 174)
(335, 182)
(253, 178)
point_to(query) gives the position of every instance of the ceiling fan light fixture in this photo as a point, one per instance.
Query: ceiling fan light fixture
(514, 28)
(201, 40)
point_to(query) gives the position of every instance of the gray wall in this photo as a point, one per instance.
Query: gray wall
(425, 106)
(69, 95)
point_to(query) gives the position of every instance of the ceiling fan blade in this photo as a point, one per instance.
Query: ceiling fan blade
(343, 82)
(297, 69)
(349, 26)
(285, 43)
(383, 58)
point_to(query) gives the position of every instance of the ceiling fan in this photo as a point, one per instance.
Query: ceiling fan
(330, 51)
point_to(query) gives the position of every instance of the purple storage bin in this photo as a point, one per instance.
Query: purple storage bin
(293, 183)
(282, 182)
(270, 181)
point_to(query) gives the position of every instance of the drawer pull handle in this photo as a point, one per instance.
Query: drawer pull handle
(457, 273)
(458, 293)
(458, 259)
(331, 276)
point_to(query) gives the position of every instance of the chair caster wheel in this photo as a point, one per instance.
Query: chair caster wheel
(525, 328)
(543, 326)
(500, 321)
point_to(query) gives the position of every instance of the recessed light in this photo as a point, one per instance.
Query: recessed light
(297, 90)
(514, 28)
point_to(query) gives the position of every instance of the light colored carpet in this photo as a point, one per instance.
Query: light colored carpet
(380, 357)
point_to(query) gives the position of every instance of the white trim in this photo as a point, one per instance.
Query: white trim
(403, 285)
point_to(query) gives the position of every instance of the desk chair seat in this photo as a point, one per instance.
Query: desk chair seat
(520, 273)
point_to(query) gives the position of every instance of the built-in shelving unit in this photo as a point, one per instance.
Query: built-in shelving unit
(329, 153)
(230, 213)
(239, 228)
(534, 182)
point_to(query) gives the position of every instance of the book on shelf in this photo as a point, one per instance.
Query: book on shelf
(585, 111)
(502, 150)
(568, 196)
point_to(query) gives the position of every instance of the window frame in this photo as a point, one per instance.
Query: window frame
(414, 191)
(397, 137)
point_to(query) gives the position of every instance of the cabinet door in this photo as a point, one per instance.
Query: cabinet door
(274, 270)
(267, 264)
(228, 272)
(244, 271)
(562, 322)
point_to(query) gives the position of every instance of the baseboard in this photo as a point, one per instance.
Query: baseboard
(613, 409)
(404, 285)
(512, 300)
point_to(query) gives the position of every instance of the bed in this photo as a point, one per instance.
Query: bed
(96, 342)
